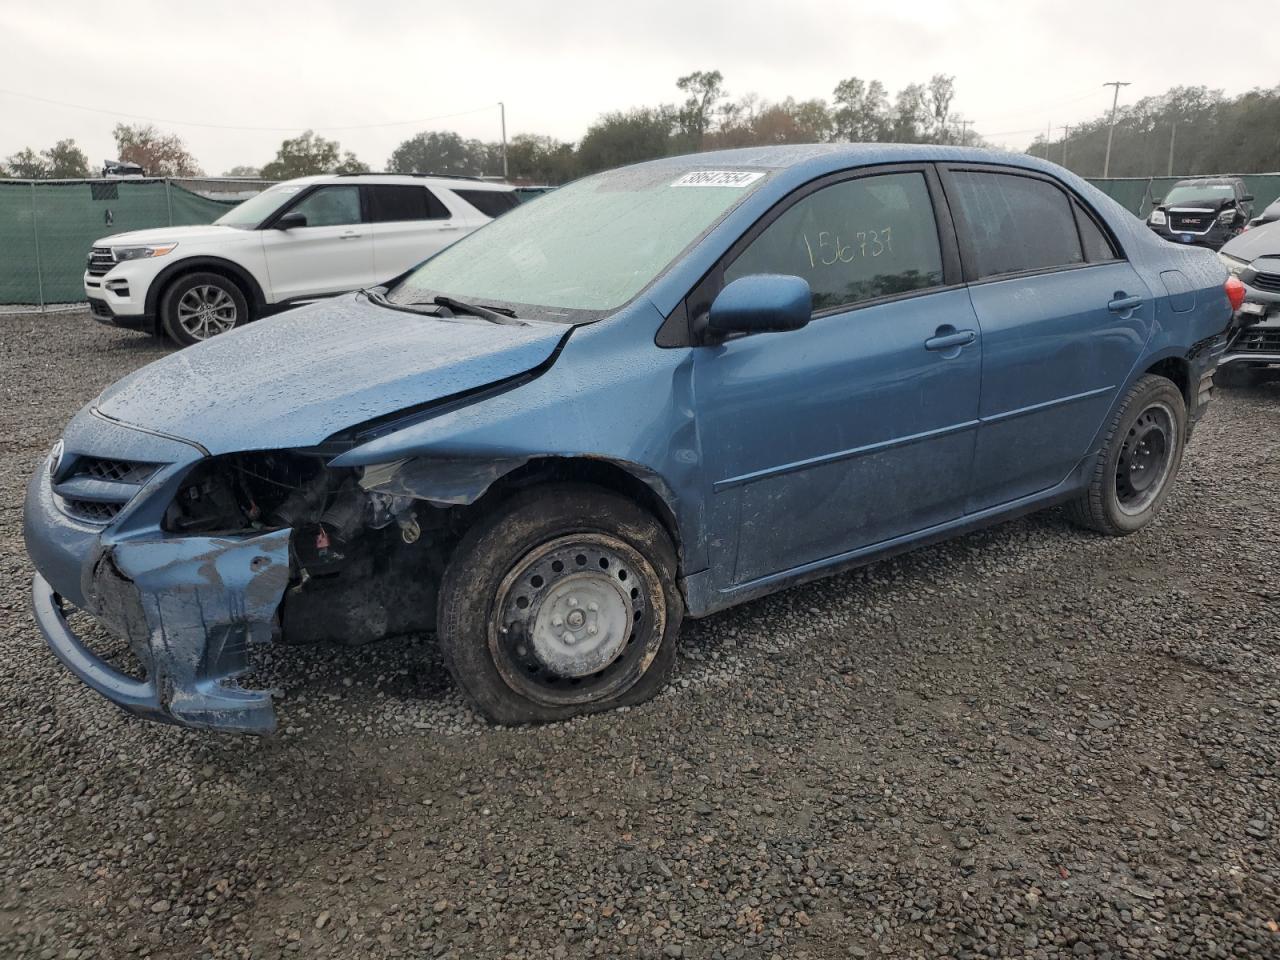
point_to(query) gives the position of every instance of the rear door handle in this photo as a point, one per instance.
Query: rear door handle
(949, 341)
(1122, 303)
(349, 236)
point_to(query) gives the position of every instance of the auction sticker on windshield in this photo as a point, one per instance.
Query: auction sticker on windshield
(718, 178)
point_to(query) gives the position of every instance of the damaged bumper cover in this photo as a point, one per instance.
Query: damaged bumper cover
(191, 608)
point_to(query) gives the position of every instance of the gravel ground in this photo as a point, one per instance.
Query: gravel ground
(1029, 742)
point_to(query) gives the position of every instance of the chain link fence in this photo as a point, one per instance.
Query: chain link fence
(1136, 194)
(48, 226)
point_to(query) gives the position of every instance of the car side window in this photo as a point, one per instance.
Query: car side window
(1013, 224)
(397, 203)
(854, 240)
(330, 206)
(1097, 247)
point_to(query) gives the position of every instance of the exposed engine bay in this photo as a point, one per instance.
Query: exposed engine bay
(363, 564)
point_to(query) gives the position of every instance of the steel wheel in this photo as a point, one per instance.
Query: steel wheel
(205, 311)
(574, 620)
(1146, 457)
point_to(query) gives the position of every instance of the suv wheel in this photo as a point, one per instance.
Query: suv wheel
(560, 602)
(200, 306)
(1139, 459)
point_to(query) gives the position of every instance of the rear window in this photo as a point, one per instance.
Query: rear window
(492, 203)
(1014, 224)
(391, 203)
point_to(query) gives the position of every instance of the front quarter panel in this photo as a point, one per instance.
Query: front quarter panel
(610, 395)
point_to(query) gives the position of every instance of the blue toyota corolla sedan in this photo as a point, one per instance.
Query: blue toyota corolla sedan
(655, 393)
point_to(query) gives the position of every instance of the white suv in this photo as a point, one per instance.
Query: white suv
(297, 241)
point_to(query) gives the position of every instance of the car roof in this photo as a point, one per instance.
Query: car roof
(798, 161)
(452, 183)
(1208, 182)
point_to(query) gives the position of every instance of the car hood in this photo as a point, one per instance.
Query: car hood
(296, 379)
(1205, 205)
(209, 232)
(1258, 242)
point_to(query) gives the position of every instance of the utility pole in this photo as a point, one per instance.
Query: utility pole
(503, 108)
(1111, 131)
(1173, 133)
(964, 130)
(1066, 132)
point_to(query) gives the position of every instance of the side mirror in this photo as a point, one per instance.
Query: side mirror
(1247, 198)
(760, 304)
(291, 220)
(1155, 202)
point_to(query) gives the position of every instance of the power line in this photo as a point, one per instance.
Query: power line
(1111, 130)
(223, 126)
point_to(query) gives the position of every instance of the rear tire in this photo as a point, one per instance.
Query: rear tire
(1139, 459)
(200, 306)
(562, 601)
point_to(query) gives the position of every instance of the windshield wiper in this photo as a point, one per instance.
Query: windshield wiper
(375, 296)
(492, 314)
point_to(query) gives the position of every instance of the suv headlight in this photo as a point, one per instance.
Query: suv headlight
(142, 253)
(1226, 216)
(1157, 219)
(1234, 267)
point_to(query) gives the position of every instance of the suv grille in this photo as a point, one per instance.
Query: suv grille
(1191, 222)
(100, 261)
(1266, 281)
(1256, 341)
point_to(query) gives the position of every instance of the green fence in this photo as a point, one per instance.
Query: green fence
(1135, 194)
(47, 227)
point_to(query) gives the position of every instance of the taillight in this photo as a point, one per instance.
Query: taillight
(1235, 292)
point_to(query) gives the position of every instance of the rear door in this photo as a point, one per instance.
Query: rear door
(409, 223)
(1064, 319)
(332, 253)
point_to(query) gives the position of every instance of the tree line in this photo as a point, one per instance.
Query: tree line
(1209, 133)
(1202, 130)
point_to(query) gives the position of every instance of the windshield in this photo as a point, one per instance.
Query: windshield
(253, 211)
(590, 246)
(1212, 193)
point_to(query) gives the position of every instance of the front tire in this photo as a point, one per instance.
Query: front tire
(560, 602)
(201, 306)
(1139, 459)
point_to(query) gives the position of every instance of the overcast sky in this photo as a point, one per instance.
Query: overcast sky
(335, 65)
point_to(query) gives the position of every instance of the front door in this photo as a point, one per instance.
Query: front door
(331, 254)
(1064, 319)
(858, 428)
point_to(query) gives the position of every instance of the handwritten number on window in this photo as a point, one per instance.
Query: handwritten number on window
(830, 249)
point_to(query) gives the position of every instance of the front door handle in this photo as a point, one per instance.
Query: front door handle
(349, 236)
(950, 341)
(1121, 303)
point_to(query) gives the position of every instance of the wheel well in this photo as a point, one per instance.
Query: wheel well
(600, 473)
(1177, 370)
(248, 288)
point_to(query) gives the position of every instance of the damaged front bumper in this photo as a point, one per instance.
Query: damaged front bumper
(191, 608)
